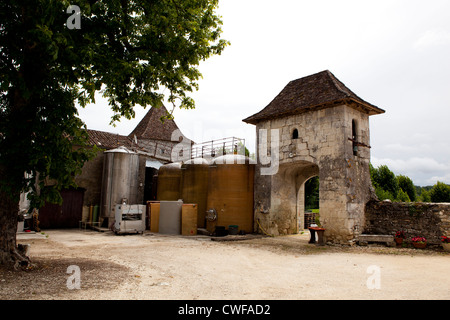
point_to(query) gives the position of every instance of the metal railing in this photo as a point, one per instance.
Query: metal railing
(217, 148)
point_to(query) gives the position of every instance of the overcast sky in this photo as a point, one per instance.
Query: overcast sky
(393, 54)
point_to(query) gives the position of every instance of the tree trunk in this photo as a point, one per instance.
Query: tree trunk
(10, 255)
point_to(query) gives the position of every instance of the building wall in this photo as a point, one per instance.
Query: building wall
(322, 149)
(158, 149)
(91, 180)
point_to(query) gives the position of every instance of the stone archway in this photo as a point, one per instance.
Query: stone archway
(286, 202)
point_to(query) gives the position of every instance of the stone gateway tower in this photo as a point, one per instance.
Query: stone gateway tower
(316, 126)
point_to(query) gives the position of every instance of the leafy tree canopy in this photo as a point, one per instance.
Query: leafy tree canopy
(407, 186)
(385, 179)
(386, 182)
(440, 192)
(130, 51)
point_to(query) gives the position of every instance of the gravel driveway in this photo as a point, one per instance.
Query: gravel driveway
(159, 267)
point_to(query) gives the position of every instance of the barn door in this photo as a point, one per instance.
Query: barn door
(67, 215)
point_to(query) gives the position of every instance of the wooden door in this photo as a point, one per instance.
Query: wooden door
(67, 215)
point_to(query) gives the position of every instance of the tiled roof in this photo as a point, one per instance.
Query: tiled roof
(312, 92)
(151, 126)
(107, 140)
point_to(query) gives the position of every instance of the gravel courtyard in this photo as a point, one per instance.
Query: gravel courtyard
(159, 267)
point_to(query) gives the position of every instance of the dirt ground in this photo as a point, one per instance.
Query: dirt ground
(162, 267)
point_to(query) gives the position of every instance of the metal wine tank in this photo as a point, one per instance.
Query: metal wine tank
(169, 182)
(230, 193)
(194, 186)
(120, 180)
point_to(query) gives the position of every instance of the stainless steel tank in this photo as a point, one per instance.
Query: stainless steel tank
(120, 181)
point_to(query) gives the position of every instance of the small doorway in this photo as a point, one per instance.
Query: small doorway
(150, 187)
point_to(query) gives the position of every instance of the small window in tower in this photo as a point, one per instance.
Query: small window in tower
(295, 134)
(354, 138)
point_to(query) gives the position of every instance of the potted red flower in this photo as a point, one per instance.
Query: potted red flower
(399, 236)
(446, 243)
(419, 242)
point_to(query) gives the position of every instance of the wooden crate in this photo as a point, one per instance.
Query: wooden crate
(154, 216)
(189, 219)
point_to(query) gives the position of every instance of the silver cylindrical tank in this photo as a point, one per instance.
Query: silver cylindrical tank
(120, 180)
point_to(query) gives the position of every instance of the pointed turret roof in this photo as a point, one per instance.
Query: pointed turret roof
(154, 126)
(316, 91)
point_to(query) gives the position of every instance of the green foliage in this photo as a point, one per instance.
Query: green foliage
(383, 194)
(384, 184)
(407, 186)
(130, 50)
(424, 196)
(312, 193)
(440, 192)
(385, 179)
(402, 196)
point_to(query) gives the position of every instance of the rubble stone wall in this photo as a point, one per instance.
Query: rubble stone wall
(429, 220)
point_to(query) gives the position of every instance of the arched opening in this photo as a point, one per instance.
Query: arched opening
(311, 201)
(297, 175)
(295, 134)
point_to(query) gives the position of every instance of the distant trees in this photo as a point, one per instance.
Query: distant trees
(440, 192)
(402, 189)
(406, 185)
(312, 193)
(397, 188)
(385, 182)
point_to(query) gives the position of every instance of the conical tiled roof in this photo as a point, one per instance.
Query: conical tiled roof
(152, 127)
(316, 91)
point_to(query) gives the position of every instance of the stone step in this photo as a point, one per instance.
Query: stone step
(365, 239)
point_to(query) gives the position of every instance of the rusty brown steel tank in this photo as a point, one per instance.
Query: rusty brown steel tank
(169, 182)
(194, 186)
(230, 193)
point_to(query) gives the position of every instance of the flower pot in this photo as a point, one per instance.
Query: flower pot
(398, 241)
(446, 246)
(419, 245)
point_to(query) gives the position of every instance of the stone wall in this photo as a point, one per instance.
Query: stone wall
(90, 179)
(430, 220)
